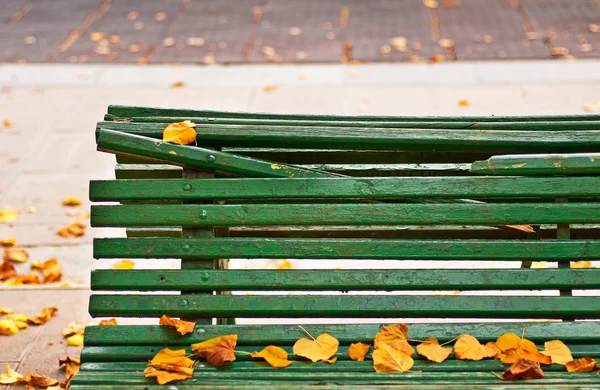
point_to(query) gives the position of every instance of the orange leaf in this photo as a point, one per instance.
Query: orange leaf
(513, 347)
(389, 359)
(8, 327)
(39, 380)
(10, 376)
(8, 241)
(321, 348)
(7, 270)
(173, 360)
(43, 317)
(181, 133)
(523, 228)
(357, 351)
(123, 264)
(71, 201)
(581, 264)
(182, 327)
(464, 103)
(18, 255)
(558, 351)
(22, 280)
(73, 328)
(163, 377)
(71, 366)
(433, 351)
(468, 347)
(275, 356)
(51, 269)
(111, 322)
(523, 369)
(218, 350)
(396, 336)
(585, 364)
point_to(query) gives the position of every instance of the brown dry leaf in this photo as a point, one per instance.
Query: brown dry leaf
(181, 133)
(123, 264)
(71, 201)
(217, 350)
(523, 369)
(182, 327)
(357, 351)
(396, 336)
(388, 359)
(513, 347)
(10, 376)
(5, 310)
(111, 322)
(44, 316)
(275, 356)
(433, 351)
(558, 351)
(8, 214)
(270, 88)
(585, 364)
(173, 360)
(38, 380)
(73, 328)
(463, 103)
(7, 270)
(8, 241)
(16, 254)
(163, 377)
(8, 328)
(468, 347)
(71, 366)
(523, 228)
(321, 348)
(8, 122)
(23, 280)
(51, 269)
(177, 84)
(75, 341)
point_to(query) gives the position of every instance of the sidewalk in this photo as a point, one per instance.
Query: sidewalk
(49, 152)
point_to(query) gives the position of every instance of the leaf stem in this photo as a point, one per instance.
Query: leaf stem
(415, 341)
(448, 342)
(497, 376)
(243, 352)
(306, 331)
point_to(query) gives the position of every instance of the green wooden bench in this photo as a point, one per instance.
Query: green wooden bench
(329, 188)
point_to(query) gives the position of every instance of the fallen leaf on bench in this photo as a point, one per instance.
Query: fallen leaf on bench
(468, 347)
(396, 336)
(513, 347)
(18, 255)
(558, 352)
(433, 351)
(275, 356)
(10, 376)
(75, 341)
(8, 328)
(51, 269)
(7, 270)
(321, 348)
(523, 369)
(72, 329)
(8, 214)
(8, 241)
(44, 316)
(173, 360)
(111, 322)
(5, 310)
(123, 264)
(71, 201)
(585, 364)
(182, 327)
(163, 377)
(181, 133)
(357, 351)
(218, 350)
(71, 364)
(389, 359)
(38, 380)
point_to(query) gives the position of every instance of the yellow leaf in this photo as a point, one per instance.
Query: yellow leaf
(558, 351)
(5, 310)
(44, 316)
(20, 320)
(71, 366)
(433, 351)
(10, 376)
(581, 264)
(8, 122)
(218, 350)
(275, 356)
(181, 133)
(321, 348)
(73, 328)
(388, 359)
(463, 103)
(123, 264)
(76, 340)
(8, 241)
(71, 201)
(585, 364)
(163, 377)
(396, 336)
(111, 322)
(173, 360)
(8, 214)
(270, 88)
(177, 84)
(8, 327)
(512, 347)
(18, 255)
(468, 347)
(182, 327)
(51, 269)
(357, 351)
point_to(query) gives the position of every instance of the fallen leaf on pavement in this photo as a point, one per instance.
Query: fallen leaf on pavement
(388, 359)
(396, 336)
(51, 269)
(463, 103)
(20, 320)
(16, 254)
(73, 328)
(181, 133)
(585, 364)
(123, 264)
(7, 270)
(38, 380)
(177, 84)
(558, 351)
(468, 347)
(8, 241)
(111, 322)
(23, 280)
(5, 310)
(523, 369)
(75, 341)
(44, 316)
(8, 122)
(270, 88)
(321, 348)
(31, 210)
(275, 356)
(163, 377)
(357, 351)
(10, 376)
(433, 351)
(73, 229)
(71, 201)
(217, 350)
(182, 327)
(71, 366)
(8, 328)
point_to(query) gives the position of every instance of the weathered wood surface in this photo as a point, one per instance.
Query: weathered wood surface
(545, 164)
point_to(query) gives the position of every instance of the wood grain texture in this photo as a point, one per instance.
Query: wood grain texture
(548, 164)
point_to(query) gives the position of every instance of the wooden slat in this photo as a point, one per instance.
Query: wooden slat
(345, 280)
(343, 214)
(337, 306)
(372, 188)
(357, 248)
(545, 164)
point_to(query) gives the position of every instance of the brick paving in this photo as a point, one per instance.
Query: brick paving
(288, 31)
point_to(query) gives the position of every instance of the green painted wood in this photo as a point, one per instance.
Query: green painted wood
(393, 169)
(345, 280)
(579, 332)
(145, 215)
(338, 306)
(147, 171)
(372, 138)
(548, 164)
(323, 188)
(196, 157)
(120, 111)
(358, 248)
